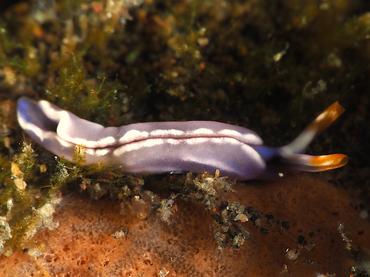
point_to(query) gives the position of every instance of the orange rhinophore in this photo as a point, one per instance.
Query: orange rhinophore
(292, 152)
(327, 117)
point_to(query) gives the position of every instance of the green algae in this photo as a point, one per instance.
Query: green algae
(269, 66)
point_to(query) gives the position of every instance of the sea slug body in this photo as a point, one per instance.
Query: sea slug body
(158, 147)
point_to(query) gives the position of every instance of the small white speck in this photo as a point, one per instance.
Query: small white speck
(364, 214)
(34, 252)
(326, 275)
(292, 254)
(120, 234)
(163, 272)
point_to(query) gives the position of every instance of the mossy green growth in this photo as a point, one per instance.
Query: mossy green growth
(90, 98)
(28, 198)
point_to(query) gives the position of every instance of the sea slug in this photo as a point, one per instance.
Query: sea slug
(158, 147)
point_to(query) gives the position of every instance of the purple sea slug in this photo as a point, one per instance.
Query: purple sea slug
(159, 147)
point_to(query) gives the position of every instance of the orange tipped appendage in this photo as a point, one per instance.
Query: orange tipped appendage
(327, 162)
(292, 153)
(321, 122)
(327, 117)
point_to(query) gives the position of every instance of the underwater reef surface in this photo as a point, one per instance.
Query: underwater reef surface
(305, 227)
(271, 66)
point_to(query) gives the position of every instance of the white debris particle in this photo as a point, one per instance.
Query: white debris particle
(120, 234)
(34, 252)
(44, 218)
(285, 269)
(292, 254)
(46, 212)
(163, 272)
(241, 218)
(334, 60)
(203, 41)
(133, 2)
(279, 55)
(364, 214)
(5, 233)
(9, 205)
(326, 275)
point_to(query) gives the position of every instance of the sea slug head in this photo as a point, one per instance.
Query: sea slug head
(41, 120)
